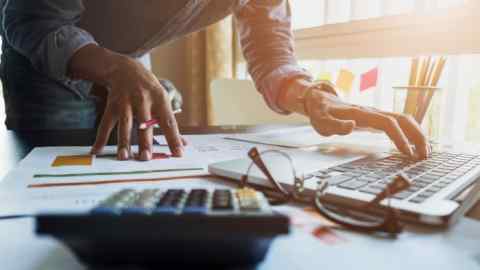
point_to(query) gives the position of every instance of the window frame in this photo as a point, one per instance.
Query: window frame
(394, 36)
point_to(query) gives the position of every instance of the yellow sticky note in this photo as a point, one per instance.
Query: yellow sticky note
(345, 80)
(325, 76)
(79, 160)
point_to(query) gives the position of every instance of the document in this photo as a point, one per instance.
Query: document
(79, 199)
(213, 148)
(61, 178)
(306, 136)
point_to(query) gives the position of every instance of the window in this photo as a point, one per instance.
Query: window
(307, 13)
(362, 34)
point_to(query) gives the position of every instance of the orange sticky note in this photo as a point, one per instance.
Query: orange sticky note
(79, 160)
(345, 80)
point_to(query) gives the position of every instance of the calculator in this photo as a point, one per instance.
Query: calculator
(177, 227)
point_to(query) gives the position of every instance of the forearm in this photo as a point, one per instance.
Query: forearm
(44, 31)
(267, 42)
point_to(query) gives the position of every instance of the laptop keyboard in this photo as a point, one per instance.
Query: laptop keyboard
(428, 176)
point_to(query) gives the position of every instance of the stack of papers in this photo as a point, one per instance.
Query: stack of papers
(70, 178)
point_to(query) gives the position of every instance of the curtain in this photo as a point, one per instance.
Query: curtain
(209, 56)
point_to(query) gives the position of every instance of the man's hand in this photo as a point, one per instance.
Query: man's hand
(134, 93)
(329, 115)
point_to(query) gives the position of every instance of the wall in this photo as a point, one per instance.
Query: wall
(169, 62)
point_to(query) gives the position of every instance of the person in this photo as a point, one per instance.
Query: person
(55, 50)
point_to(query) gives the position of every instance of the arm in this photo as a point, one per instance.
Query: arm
(44, 31)
(264, 29)
(266, 37)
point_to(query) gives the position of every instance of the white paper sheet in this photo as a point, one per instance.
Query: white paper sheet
(213, 148)
(27, 189)
(37, 169)
(74, 199)
(306, 136)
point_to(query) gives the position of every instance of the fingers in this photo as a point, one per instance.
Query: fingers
(414, 134)
(327, 126)
(184, 141)
(105, 128)
(124, 130)
(169, 126)
(373, 119)
(322, 121)
(145, 136)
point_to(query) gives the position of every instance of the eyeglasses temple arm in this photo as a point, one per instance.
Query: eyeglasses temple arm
(254, 155)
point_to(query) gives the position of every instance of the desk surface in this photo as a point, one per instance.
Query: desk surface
(20, 249)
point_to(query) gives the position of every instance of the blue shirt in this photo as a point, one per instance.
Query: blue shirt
(49, 32)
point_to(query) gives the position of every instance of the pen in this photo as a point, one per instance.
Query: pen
(153, 122)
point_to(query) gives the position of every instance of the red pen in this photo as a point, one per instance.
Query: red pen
(153, 122)
(148, 124)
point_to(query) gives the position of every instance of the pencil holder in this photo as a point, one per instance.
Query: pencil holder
(423, 104)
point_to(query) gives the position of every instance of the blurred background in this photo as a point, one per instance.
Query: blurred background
(335, 35)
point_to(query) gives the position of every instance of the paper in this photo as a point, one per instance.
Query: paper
(212, 148)
(155, 156)
(306, 136)
(35, 171)
(73, 199)
(79, 160)
(369, 79)
(345, 80)
(309, 221)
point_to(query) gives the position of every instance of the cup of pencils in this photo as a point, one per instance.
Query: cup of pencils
(421, 97)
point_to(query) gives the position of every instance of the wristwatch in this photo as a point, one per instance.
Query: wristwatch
(325, 86)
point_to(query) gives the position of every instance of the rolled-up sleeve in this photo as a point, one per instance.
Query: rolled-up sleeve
(44, 31)
(265, 32)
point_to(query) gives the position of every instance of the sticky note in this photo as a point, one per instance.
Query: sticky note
(369, 79)
(325, 76)
(78, 160)
(345, 80)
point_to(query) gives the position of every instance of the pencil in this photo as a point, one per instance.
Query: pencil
(411, 94)
(436, 78)
(425, 83)
(421, 81)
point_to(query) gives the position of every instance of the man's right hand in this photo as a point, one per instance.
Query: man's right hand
(134, 93)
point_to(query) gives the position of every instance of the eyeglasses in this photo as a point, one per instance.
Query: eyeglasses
(373, 217)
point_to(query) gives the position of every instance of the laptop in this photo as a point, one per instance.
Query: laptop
(443, 187)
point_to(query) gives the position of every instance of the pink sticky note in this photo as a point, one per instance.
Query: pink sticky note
(369, 79)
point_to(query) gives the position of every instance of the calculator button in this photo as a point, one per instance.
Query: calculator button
(145, 201)
(247, 200)
(115, 203)
(170, 201)
(222, 200)
(196, 202)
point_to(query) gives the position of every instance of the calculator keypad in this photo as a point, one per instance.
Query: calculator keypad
(179, 201)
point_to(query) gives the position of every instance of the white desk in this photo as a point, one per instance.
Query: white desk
(452, 250)
(457, 249)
